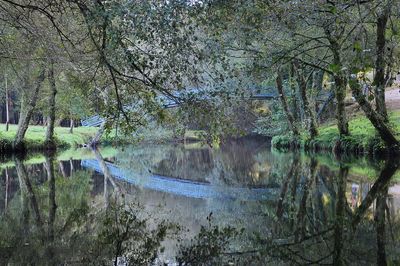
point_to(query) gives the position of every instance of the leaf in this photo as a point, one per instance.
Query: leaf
(357, 46)
(334, 68)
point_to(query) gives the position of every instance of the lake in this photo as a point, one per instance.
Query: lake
(156, 204)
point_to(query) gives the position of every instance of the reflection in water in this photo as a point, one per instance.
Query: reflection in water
(275, 209)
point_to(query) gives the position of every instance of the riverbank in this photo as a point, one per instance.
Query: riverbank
(363, 138)
(35, 137)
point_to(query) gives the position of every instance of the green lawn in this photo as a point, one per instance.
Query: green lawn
(363, 135)
(36, 134)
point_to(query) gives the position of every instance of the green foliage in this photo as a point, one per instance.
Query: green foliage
(273, 122)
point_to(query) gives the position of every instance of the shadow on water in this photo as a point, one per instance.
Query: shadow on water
(241, 204)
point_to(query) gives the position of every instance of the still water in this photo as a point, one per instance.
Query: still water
(243, 203)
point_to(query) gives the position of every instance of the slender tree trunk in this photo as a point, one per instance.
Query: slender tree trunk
(340, 93)
(340, 216)
(71, 165)
(318, 79)
(27, 108)
(285, 107)
(301, 214)
(50, 142)
(379, 79)
(62, 169)
(376, 119)
(6, 188)
(7, 104)
(96, 139)
(380, 220)
(340, 84)
(27, 188)
(295, 104)
(106, 172)
(285, 185)
(71, 126)
(52, 195)
(310, 114)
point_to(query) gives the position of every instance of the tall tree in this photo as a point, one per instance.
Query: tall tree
(383, 14)
(50, 141)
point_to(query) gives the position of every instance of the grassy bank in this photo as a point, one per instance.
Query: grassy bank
(65, 155)
(35, 136)
(363, 137)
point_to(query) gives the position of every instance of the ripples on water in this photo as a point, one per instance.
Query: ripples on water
(239, 204)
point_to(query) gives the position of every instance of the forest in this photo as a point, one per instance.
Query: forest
(324, 63)
(199, 132)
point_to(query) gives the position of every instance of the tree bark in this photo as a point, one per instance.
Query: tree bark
(340, 216)
(340, 93)
(295, 104)
(26, 187)
(318, 79)
(285, 107)
(27, 108)
(379, 79)
(384, 130)
(50, 142)
(71, 126)
(96, 139)
(52, 195)
(6, 189)
(380, 220)
(301, 81)
(7, 104)
(340, 84)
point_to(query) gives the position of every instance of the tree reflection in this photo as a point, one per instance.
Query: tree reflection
(55, 219)
(329, 237)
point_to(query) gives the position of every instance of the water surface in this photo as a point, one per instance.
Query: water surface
(242, 203)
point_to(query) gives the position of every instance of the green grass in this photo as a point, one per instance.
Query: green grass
(363, 136)
(35, 136)
(74, 154)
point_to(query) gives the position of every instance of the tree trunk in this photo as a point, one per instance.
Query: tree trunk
(340, 216)
(96, 139)
(52, 195)
(6, 189)
(285, 107)
(62, 169)
(7, 107)
(340, 85)
(318, 79)
(295, 104)
(26, 187)
(380, 220)
(27, 108)
(71, 126)
(50, 142)
(379, 79)
(376, 119)
(391, 166)
(313, 127)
